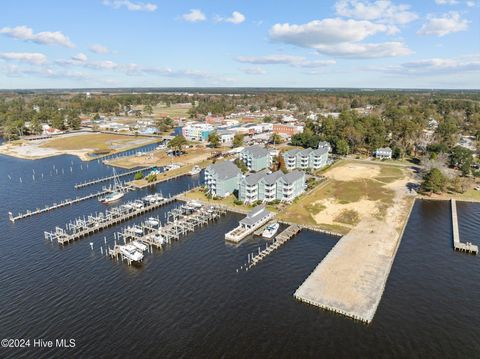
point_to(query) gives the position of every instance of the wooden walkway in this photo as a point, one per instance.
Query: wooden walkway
(279, 240)
(457, 245)
(108, 178)
(64, 203)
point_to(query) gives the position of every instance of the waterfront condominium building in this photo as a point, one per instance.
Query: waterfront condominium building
(307, 158)
(197, 131)
(222, 179)
(256, 158)
(269, 187)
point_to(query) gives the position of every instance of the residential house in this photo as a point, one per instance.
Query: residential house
(226, 137)
(306, 159)
(383, 153)
(290, 186)
(256, 158)
(222, 179)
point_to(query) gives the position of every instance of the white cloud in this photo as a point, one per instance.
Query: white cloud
(99, 49)
(340, 37)
(194, 15)
(102, 65)
(130, 5)
(435, 66)
(80, 57)
(365, 51)
(446, 2)
(380, 10)
(16, 71)
(45, 38)
(236, 18)
(280, 59)
(327, 31)
(253, 71)
(471, 3)
(35, 58)
(444, 24)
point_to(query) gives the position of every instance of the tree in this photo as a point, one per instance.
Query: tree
(148, 109)
(35, 126)
(57, 121)
(177, 143)
(461, 158)
(240, 164)
(214, 139)
(238, 140)
(434, 181)
(342, 148)
(73, 120)
(138, 176)
(276, 138)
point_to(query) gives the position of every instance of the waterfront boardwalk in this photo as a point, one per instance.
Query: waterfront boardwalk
(97, 223)
(457, 244)
(108, 178)
(278, 241)
(63, 203)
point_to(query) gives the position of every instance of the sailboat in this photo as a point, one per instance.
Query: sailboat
(117, 191)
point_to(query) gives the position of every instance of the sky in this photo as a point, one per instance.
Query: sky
(240, 43)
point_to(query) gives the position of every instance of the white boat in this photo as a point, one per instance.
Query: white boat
(271, 230)
(117, 191)
(130, 252)
(195, 170)
(140, 246)
(195, 204)
(152, 222)
(135, 230)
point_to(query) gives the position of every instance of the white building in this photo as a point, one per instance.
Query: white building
(383, 153)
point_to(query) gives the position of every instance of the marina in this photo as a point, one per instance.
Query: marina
(82, 227)
(151, 233)
(254, 220)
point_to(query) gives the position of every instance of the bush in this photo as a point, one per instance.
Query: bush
(151, 178)
(238, 202)
(138, 176)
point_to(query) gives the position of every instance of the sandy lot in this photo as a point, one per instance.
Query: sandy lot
(353, 171)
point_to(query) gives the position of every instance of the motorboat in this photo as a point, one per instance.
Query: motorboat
(195, 204)
(140, 246)
(152, 222)
(130, 252)
(136, 230)
(195, 170)
(271, 230)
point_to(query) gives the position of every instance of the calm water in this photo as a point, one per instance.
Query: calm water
(188, 301)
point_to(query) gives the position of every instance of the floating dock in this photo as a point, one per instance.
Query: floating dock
(278, 241)
(64, 203)
(80, 228)
(109, 178)
(457, 245)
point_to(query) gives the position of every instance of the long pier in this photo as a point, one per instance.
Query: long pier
(278, 241)
(109, 178)
(64, 203)
(457, 245)
(80, 228)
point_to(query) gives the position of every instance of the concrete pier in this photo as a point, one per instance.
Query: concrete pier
(457, 245)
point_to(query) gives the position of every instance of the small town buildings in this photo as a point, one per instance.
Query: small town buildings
(383, 153)
(256, 158)
(214, 120)
(269, 187)
(285, 129)
(197, 131)
(222, 178)
(306, 159)
(226, 137)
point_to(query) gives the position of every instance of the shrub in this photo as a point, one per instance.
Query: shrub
(138, 176)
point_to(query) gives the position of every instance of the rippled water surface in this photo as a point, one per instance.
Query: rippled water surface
(189, 300)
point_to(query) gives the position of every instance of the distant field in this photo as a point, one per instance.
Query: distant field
(95, 142)
(172, 111)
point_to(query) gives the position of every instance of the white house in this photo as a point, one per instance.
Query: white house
(383, 153)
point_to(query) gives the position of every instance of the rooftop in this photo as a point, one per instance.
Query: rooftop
(256, 151)
(224, 170)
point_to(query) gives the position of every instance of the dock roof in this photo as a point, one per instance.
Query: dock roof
(256, 215)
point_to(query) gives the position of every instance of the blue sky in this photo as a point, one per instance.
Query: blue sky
(343, 43)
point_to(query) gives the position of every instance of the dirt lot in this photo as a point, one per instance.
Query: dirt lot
(79, 144)
(352, 193)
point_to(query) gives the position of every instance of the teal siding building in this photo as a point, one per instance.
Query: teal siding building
(256, 158)
(222, 179)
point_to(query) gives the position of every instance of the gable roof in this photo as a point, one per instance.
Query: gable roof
(255, 215)
(224, 170)
(256, 151)
(293, 176)
(272, 177)
(254, 178)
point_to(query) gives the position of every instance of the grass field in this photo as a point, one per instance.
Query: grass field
(172, 111)
(351, 192)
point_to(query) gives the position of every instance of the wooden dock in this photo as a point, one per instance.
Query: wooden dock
(457, 245)
(64, 203)
(99, 222)
(109, 178)
(278, 241)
